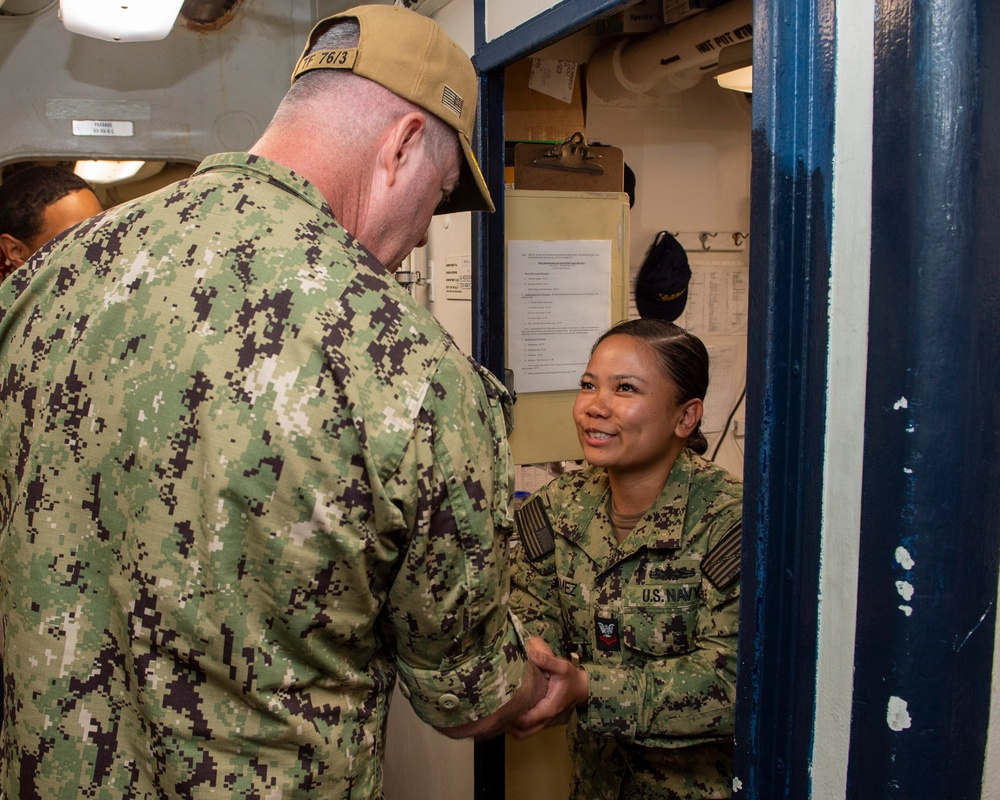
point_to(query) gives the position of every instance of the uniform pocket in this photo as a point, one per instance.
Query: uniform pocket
(661, 620)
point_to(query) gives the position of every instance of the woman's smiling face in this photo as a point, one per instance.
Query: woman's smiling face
(626, 413)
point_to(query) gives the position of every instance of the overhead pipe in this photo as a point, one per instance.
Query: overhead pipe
(672, 59)
(206, 11)
(24, 7)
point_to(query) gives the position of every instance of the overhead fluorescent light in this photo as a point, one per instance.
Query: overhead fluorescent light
(735, 70)
(120, 20)
(107, 171)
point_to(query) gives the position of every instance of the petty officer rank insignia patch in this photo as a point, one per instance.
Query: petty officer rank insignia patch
(722, 564)
(606, 630)
(533, 529)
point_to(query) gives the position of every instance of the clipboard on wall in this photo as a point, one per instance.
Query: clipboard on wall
(591, 222)
(606, 173)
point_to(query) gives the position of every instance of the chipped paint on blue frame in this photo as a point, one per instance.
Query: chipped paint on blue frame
(930, 519)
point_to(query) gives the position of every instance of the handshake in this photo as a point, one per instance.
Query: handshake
(553, 686)
(551, 689)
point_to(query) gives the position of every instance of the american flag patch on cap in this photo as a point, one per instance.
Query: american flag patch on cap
(452, 100)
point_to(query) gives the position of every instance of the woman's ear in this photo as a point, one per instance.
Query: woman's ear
(693, 411)
(13, 250)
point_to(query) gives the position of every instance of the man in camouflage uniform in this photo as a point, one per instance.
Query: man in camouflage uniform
(245, 479)
(653, 622)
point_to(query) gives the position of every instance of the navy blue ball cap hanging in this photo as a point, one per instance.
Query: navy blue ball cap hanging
(661, 289)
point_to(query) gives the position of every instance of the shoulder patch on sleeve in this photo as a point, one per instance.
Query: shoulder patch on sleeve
(533, 529)
(722, 564)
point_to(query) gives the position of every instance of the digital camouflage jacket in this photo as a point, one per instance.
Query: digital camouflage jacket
(653, 621)
(244, 480)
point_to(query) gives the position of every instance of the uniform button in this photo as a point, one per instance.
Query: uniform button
(448, 702)
(404, 690)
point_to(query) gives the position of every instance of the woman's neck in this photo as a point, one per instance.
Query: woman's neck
(623, 524)
(635, 492)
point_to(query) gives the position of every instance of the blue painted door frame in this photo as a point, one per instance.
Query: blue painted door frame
(932, 430)
(791, 199)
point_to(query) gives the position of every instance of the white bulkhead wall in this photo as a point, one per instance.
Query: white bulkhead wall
(505, 15)
(450, 235)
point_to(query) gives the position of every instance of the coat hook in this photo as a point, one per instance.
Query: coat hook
(739, 238)
(703, 237)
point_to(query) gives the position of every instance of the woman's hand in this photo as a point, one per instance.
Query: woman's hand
(566, 689)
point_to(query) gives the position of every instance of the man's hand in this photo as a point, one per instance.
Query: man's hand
(531, 692)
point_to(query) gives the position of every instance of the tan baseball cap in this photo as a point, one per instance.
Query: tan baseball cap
(411, 56)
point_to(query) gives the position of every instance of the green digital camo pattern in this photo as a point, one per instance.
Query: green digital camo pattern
(244, 478)
(659, 718)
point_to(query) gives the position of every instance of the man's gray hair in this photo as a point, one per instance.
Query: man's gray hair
(371, 106)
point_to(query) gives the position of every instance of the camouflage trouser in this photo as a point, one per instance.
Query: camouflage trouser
(606, 769)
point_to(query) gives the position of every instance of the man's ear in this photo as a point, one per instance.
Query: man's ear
(13, 249)
(693, 411)
(401, 144)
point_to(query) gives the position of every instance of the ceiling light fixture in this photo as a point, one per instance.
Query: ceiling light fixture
(107, 171)
(120, 20)
(735, 70)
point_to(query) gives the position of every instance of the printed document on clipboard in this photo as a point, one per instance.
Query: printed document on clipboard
(567, 282)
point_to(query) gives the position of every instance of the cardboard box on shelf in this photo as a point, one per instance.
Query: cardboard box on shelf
(534, 116)
(642, 17)
(676, 10)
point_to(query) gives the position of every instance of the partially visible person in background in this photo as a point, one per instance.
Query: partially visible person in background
(630, 567)
(36, 203)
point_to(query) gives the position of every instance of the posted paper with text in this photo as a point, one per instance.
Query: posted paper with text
(558, 303)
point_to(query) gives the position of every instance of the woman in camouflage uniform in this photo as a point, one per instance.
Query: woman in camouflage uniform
(629, 569)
